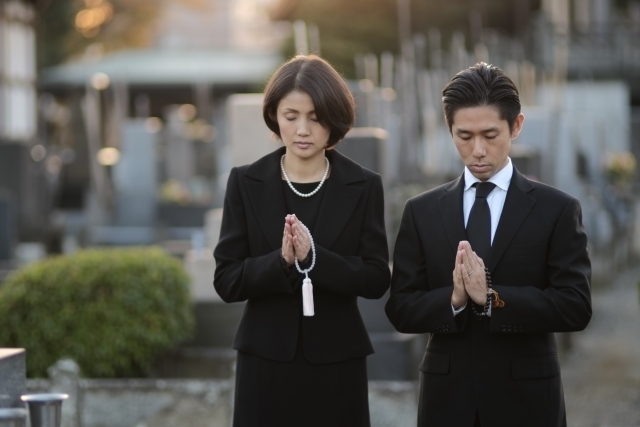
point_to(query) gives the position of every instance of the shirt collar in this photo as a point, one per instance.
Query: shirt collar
(502, 179)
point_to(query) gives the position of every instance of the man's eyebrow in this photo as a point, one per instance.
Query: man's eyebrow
(491, 129)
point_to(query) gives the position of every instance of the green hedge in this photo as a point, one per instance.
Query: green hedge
(111, 310)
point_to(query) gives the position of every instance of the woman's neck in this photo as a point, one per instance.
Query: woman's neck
(305, 170)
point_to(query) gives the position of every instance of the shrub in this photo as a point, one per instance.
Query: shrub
(111, 310)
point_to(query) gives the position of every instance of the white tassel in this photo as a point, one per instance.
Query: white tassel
(307, 297)
(307, 288)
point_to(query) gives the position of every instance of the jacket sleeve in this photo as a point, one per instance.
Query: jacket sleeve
(564, 304)
(414, 307)
(367, 274)
(239, 276)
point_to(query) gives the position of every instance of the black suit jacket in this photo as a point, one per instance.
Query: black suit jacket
(352, 261)
(504, 367)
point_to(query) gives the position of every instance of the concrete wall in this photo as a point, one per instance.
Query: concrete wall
(189, 403)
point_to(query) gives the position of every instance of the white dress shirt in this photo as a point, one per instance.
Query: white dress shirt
(495, 200)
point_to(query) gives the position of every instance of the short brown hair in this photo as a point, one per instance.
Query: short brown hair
(332, 99)
(482, 85)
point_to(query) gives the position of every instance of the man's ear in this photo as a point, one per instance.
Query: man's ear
(517, 126)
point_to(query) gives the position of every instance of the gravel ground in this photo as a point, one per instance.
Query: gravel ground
(601, 374)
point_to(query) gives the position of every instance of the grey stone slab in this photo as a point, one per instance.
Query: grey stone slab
(122, 407)
(373, 314)
(393, 403)
(216, 323)
(12, 377)
(395, 356)
(366, 146)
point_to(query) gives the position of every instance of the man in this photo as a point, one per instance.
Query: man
(491, 360)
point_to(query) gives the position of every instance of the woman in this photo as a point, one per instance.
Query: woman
(303, 208)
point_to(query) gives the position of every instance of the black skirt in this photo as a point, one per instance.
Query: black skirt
(299, 393)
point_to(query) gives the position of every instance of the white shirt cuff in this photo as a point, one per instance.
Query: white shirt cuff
(458, 311)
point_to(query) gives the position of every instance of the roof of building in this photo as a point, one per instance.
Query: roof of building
(169, 67)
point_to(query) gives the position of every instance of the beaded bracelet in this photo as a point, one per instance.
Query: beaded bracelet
(490, 297)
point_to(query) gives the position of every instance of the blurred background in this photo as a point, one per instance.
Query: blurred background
(120, 120)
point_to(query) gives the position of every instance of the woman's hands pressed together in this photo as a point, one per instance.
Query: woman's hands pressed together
(295, 241)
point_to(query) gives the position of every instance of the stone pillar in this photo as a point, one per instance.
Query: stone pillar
(65, 376)
(14, 378)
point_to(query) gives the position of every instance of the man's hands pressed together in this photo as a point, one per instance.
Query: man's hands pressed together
(469, 279)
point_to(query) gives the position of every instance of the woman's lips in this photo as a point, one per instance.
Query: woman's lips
(303, 144)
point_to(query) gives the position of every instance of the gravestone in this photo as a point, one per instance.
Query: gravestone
(179, 155)
(212, 223)
(201, 267)
(248, 135)
(368, 148)
(397, 356)
(17, 179)
(135, 176)
(13, 377)
(526, 159)
(7, 227)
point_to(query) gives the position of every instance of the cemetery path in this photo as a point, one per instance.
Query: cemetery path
(601, 373)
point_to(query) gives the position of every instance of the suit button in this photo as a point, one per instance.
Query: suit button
(504, 328)
(509, 328)
(521, 329)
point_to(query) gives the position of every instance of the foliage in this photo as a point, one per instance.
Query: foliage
(347, 28)
(111, 310)
(63, 33)
(621, 168)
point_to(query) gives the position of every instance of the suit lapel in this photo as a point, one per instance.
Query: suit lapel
(340, 199)
(264, 185)
(452, 213)
(516, 208)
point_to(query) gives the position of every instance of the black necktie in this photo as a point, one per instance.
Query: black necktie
(479, 223)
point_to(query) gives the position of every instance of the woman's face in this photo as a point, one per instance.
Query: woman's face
(300, 130)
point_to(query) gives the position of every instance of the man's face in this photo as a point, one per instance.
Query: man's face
(483, 139)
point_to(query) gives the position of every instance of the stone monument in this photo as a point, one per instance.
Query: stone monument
(249, 136)
(13, 377)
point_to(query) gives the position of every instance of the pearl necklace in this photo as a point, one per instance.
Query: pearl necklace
(324, 177)
(307, 287)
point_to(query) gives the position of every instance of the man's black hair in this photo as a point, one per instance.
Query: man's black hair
(481, 85)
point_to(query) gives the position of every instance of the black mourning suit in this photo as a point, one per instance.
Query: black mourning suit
(352, 261)
(503, 368)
